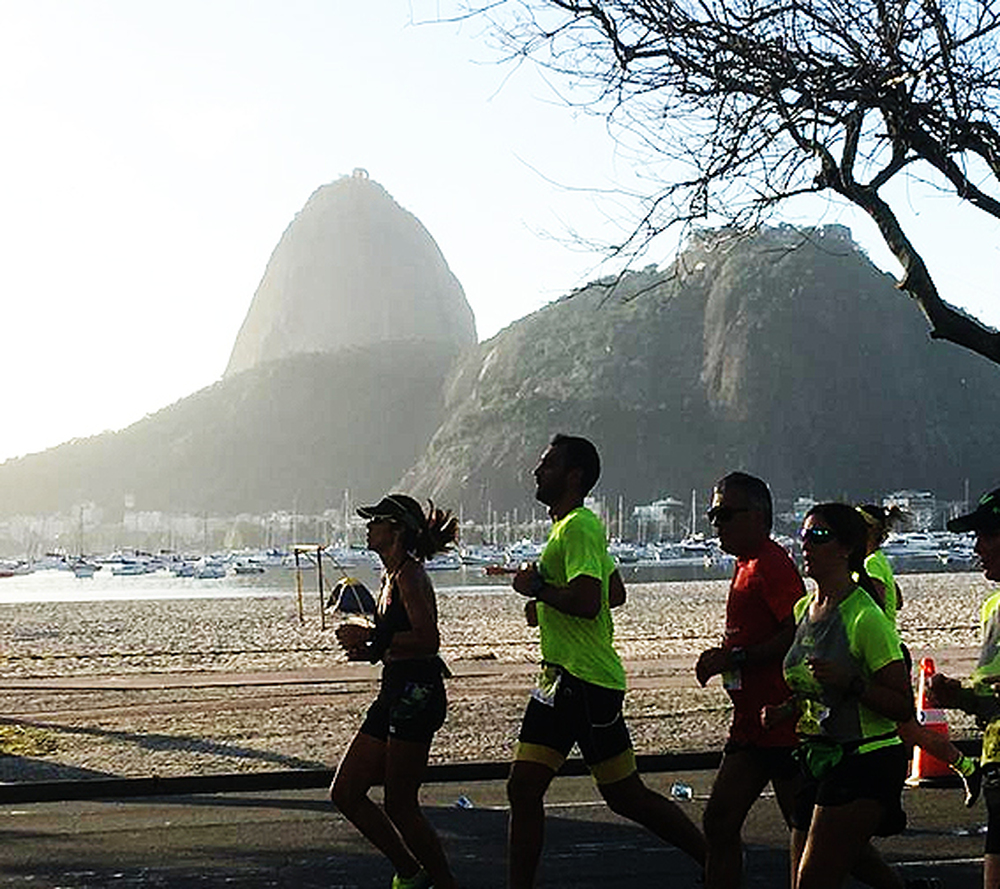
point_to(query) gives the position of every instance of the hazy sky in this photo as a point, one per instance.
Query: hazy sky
(154, 152)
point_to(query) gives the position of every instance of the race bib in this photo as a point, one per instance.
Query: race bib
(548, 684)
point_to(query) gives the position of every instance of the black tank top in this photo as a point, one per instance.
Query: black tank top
(390, 617)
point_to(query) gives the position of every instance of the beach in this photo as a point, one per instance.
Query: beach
(212, 685)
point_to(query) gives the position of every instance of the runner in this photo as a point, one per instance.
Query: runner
(393, 743)
(981, 699)
(582, 683)
(846, 670)
(759, 628)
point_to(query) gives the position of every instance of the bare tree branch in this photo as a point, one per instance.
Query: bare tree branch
(751, 102)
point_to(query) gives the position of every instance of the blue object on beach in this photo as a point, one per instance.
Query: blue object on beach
(351, 596)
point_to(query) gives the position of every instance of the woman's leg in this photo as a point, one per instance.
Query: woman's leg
(796, 846)
(837, 839)
(991, 871)
(363, 767)
(405, 765)
(872, 870)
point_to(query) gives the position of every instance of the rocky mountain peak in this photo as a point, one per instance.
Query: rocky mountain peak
(353, 269)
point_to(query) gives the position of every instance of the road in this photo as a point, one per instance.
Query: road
(291, 838)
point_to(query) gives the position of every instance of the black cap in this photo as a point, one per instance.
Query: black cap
(985, 517)
(398, 508)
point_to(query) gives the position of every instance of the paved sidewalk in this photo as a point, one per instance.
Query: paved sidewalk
(292, 838)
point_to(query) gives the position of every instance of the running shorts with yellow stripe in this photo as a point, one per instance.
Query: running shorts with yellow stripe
(579, 712)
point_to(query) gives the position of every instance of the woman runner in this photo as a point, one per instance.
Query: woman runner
(845, 668)
(393, 743)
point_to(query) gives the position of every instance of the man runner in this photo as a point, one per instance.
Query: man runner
(582, 683)
(981, 698)
(759, 628)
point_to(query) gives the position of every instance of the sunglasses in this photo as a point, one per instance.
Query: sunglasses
(719, 515)
(816, 535)
(379, 519)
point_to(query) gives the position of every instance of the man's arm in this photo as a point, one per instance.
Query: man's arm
(775, 648)
(719, 660)
(580, 598)
(616, 590)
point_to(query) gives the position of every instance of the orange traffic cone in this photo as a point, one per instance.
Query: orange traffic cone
(926, 769)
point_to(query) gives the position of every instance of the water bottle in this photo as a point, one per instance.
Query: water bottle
(680, 790)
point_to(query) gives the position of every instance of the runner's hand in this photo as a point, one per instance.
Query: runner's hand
(352, 638)
(944, 691)
(527, 579)
(772, 715)
(711, 662)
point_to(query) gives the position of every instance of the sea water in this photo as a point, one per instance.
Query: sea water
(56, 585)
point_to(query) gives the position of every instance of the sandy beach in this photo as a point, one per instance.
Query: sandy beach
(219, 685)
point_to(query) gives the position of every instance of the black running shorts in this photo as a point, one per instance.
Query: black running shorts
(878, 775)
(584, 714)
(411, 702)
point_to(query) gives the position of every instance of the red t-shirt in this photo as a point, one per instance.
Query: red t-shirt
(763, 593)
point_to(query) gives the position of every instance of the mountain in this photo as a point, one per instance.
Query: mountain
(335, 381)
(288, 434)
(353, 269)
(789, 355)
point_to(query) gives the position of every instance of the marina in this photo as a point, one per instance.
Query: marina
(277, 572)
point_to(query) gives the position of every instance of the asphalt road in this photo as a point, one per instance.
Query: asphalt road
(292, 838)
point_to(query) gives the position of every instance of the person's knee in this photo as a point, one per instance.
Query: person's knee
(720, 821)
(626, 798)
(523, 792)
(401, 803)
(344, 795)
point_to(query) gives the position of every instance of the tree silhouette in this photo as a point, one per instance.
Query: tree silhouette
(758, 101)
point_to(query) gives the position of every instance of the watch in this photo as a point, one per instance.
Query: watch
(737, 656)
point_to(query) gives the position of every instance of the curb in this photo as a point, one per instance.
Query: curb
(308, 779)
(303, 779)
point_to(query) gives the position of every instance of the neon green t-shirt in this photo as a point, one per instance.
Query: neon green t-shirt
(584, 647)
(987, 670)
(859, 636)
(986, 674)
(877, 566)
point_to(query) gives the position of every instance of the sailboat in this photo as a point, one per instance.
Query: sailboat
(81, 566)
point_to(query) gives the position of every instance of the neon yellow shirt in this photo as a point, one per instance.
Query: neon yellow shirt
(582, 646)
(988, 669)
(986, 674)
(877, 566)
(858, 636)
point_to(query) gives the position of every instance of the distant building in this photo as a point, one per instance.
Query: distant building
(836, 231)
(659, 520)
(922, 507)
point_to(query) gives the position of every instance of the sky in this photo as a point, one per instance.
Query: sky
(153, 154)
